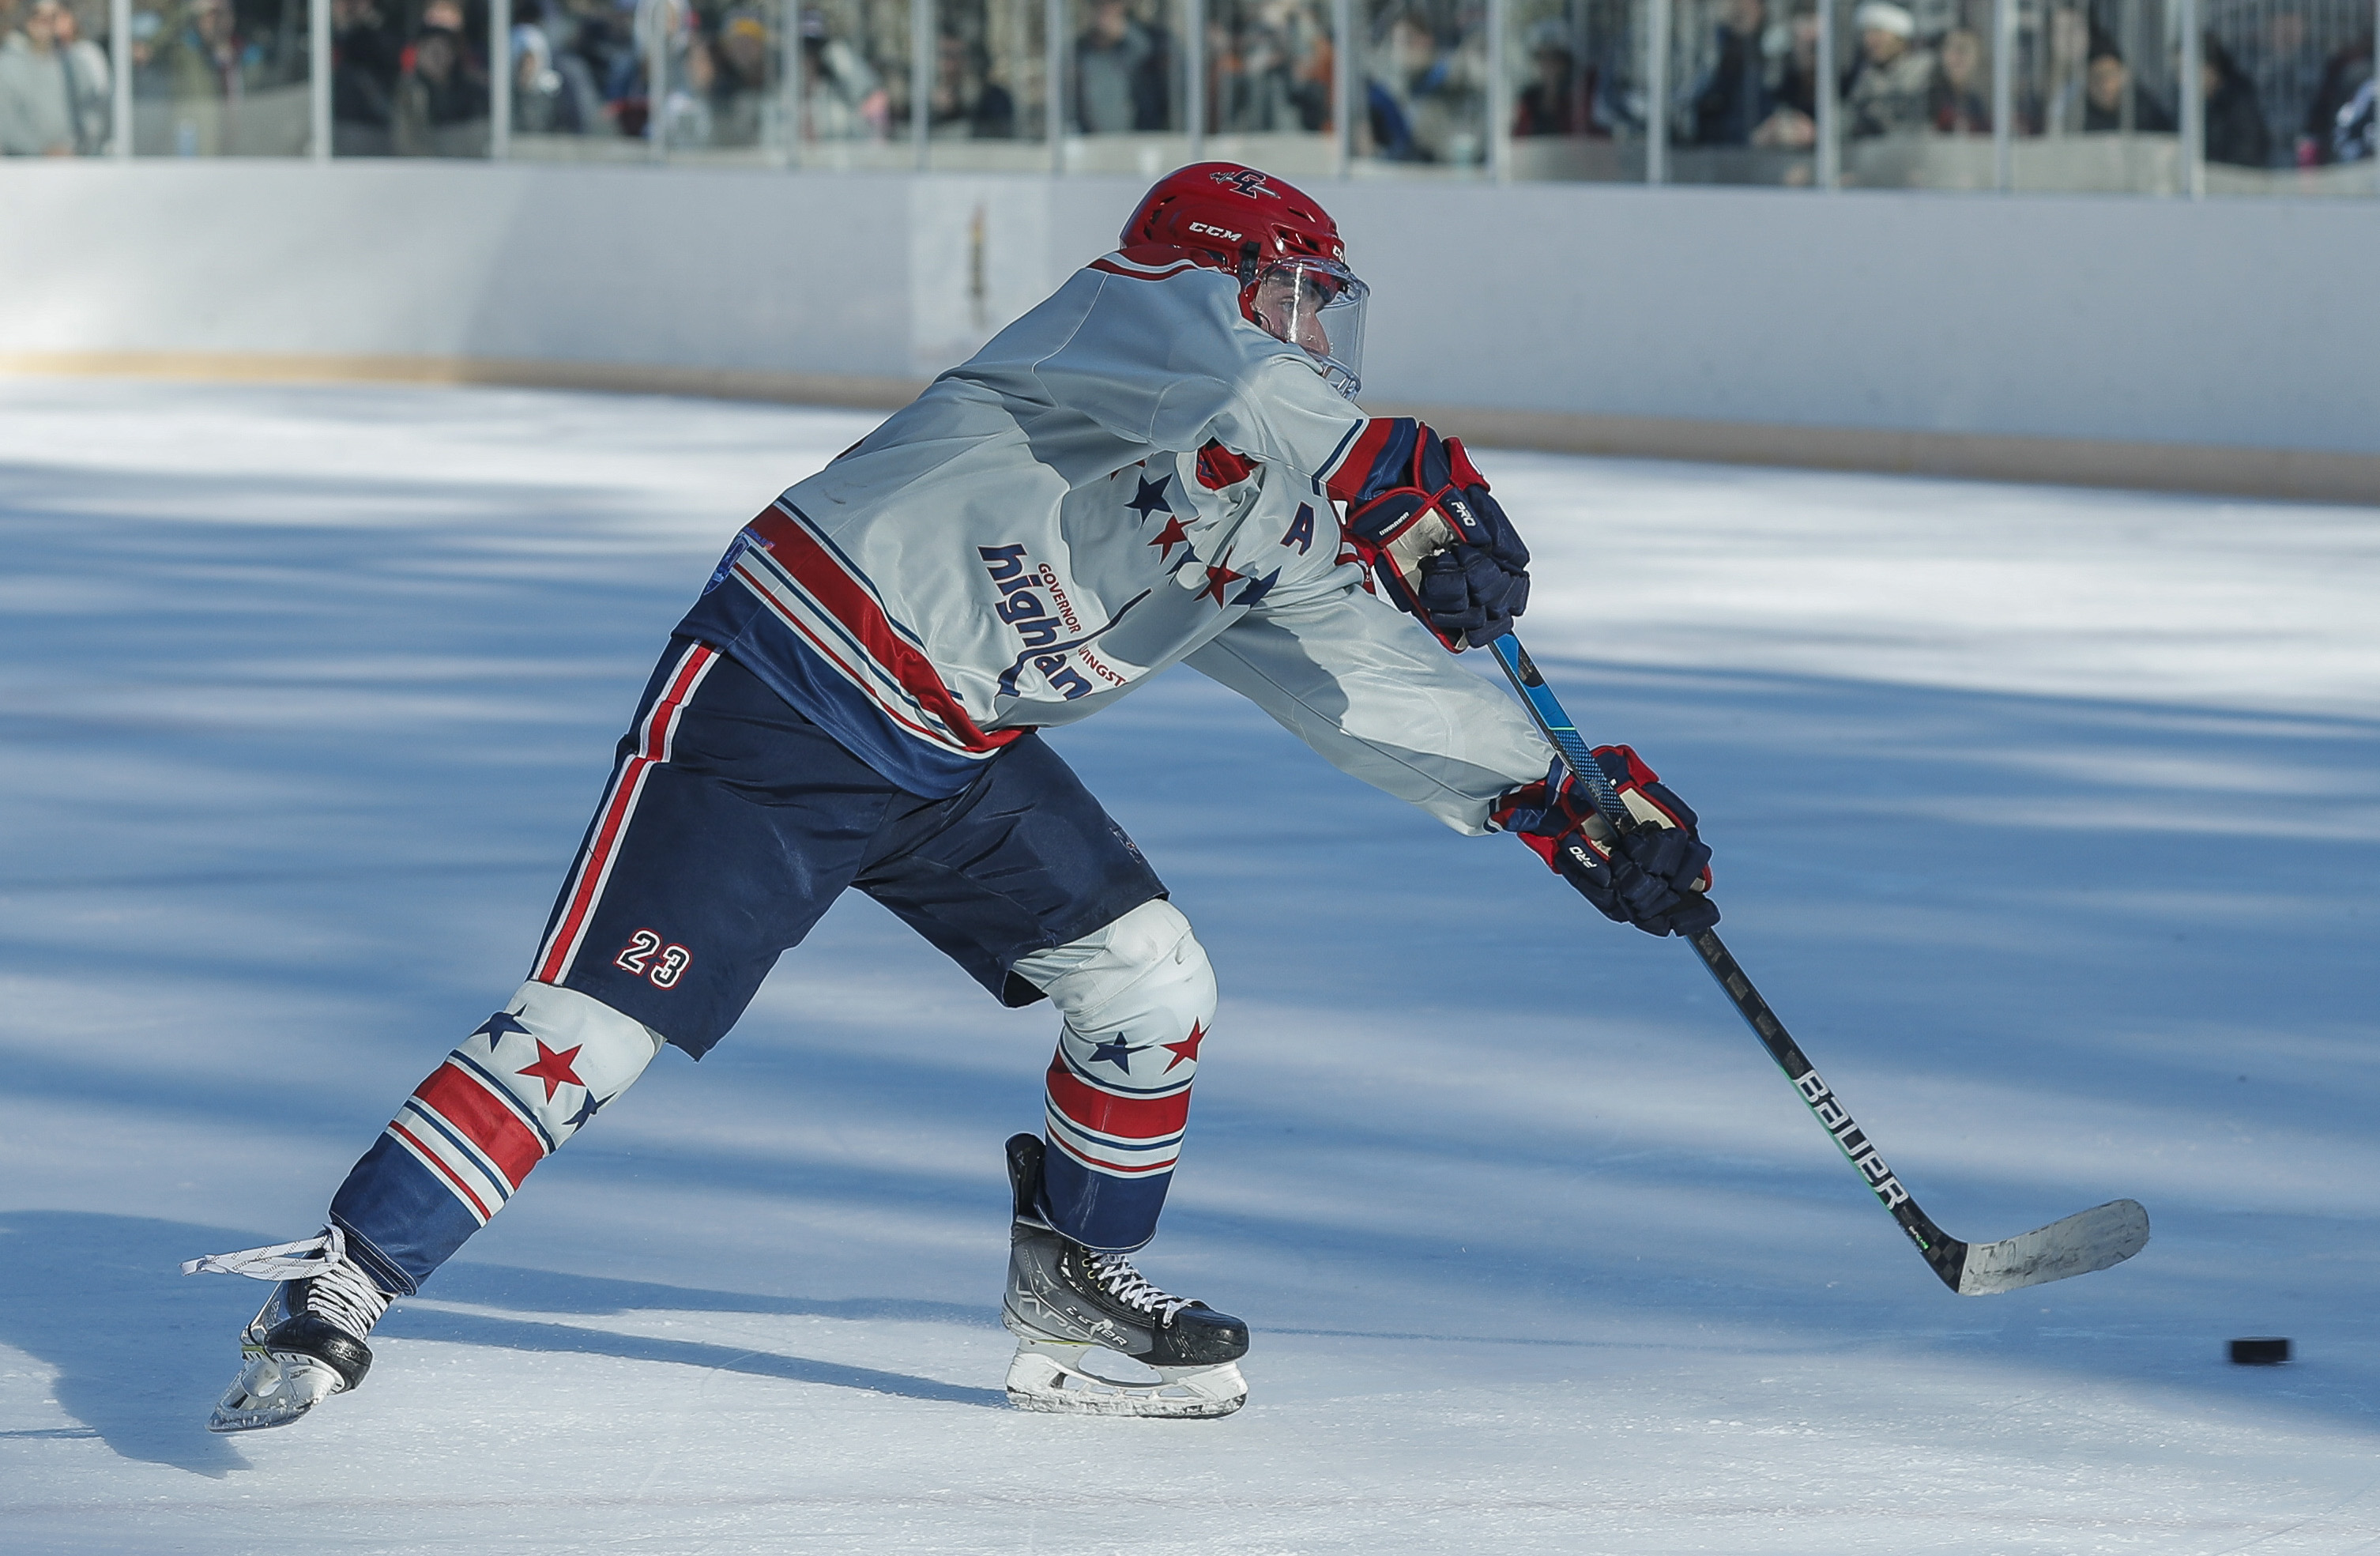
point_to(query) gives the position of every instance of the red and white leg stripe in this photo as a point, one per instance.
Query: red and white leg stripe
(525, 1082)
(1110, 1132)
(469, 1132)
(594, 871)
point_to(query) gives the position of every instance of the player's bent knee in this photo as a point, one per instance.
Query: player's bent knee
(579, 1053)
(1145, 970)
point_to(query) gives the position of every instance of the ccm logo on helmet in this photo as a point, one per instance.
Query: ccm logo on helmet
(1215, 232)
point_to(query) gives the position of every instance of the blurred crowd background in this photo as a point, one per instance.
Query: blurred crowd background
(2151, 96)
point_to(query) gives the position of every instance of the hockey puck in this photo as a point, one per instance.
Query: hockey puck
(2262, 1351)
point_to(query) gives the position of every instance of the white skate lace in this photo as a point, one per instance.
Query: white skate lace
(1120, 1280)
(341, 1292)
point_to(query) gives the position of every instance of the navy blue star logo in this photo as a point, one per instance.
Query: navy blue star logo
(587, 1109)
(497, 1026)
(1257, 588)
(1116, 1051)
(1152, 498)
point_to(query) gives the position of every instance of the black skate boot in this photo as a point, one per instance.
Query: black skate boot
(1065, 1300)
(307, 1342)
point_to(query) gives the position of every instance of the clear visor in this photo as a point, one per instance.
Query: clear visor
(1317, 305)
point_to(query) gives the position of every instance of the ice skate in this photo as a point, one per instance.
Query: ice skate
(307, 1342)
(1066, 1302)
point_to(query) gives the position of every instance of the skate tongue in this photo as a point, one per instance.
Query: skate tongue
(282, 1262)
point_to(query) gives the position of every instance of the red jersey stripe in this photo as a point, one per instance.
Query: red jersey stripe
(795, 549)
(1346, 480)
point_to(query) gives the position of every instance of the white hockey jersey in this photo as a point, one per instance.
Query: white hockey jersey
(1130, 476)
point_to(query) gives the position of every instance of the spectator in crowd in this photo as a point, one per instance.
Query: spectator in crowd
(1271, 67)
(196, 62)
(1423, 101)
(1122, 73)
(53, 90)
(1557, 98)
(2106, 84)
(2357, 136)
(843, 97)
(441, 93)
(364, 64)
(694, 78)
(2287, 71)
(2343, 75)
(1406, 61)
(555, 89)
(1960, 83)
(965, 103)
(2235, 133)
(94, 78)
(2059, 108)
(1737, 96)
(742, 80)
(1890, 88)
(1794, 123)
(542, 101)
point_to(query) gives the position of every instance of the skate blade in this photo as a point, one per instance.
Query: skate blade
(1054, 1378)
(273, 1390)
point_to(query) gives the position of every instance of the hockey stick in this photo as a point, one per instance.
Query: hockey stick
(2088, 1240)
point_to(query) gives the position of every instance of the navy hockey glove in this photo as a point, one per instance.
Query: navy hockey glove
(1418, 512)
(1655, 879)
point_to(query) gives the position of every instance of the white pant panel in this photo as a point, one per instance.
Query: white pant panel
(1144, 969)
(562, 1054)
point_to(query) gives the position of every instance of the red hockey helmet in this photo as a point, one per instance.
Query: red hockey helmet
(1282, 246)
(1242, 216)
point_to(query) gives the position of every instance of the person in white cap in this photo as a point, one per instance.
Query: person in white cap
(1890, 87)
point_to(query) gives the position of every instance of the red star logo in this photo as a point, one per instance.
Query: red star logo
(1218, 579)
(1171, 535)
(554, 1068)
(1187, 1048)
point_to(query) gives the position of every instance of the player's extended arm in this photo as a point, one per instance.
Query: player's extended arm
(1353, 679)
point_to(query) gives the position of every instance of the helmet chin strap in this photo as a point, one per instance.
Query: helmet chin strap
(1248, 255)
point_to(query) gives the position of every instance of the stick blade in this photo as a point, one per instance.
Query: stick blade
(2088, 1240)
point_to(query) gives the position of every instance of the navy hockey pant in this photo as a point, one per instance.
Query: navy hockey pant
(730, 824)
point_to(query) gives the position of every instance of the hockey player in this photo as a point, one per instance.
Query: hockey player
(1149, 468)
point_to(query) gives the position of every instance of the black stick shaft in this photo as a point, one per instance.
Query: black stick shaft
(1946, 1254)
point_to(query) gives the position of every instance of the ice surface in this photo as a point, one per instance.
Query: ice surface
(2048, 820)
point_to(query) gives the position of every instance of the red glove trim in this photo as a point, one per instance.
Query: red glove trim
(1466, 474)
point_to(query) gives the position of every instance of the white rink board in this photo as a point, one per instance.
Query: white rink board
(2227, 323)
(2047, 818)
